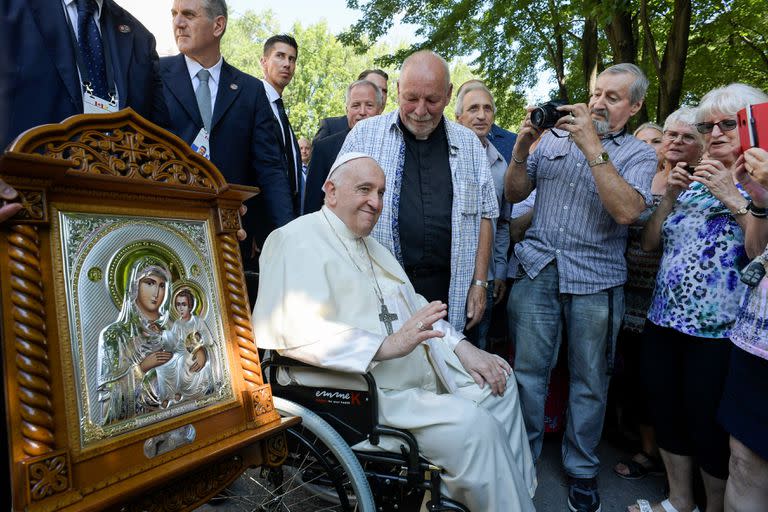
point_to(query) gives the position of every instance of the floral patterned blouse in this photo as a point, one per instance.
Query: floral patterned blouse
(698, 287)
(750, 332)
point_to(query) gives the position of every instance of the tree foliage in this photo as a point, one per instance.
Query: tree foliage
(686, 47)
(324, 69)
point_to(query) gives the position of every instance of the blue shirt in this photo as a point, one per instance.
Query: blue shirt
(570, 224)
(698, 288)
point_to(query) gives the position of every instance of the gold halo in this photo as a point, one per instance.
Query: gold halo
(121, 263)
(201, 304)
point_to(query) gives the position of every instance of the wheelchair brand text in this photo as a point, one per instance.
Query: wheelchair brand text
(338, 397)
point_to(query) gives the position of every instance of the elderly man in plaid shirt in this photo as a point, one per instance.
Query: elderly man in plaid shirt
(440, 203)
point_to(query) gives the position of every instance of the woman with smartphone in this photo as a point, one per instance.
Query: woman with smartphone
(745, 402)
(699, 224)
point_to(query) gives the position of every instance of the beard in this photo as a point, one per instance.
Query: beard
(602, 126)
(420, 132)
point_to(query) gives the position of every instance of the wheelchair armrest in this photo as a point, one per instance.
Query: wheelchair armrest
(275, 360)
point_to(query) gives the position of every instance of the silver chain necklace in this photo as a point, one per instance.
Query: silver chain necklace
(384, 315)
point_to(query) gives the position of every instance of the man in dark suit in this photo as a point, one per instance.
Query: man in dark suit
(40, 81)
(331, 125)
(503, 140)
(363, 99)
(279, 64)
(208, 98)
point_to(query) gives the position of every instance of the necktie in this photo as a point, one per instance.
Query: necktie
(288, 146)
(91, 49)
(203, 95)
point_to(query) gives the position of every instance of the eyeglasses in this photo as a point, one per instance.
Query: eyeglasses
(725, 125)
(685, 138)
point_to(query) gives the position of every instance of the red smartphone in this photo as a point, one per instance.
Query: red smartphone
(753, 126)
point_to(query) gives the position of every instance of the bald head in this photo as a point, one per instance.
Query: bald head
(426, 64)
(354, 191)
(423, 91)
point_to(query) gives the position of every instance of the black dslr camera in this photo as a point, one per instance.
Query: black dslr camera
(546, 115)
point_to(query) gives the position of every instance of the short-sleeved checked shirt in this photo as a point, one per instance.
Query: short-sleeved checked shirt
(570, 224)
(474, 197)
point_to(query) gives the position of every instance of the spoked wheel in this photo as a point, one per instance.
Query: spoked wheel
(320, 474)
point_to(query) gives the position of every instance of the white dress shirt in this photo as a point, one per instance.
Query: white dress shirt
(213, 82)
(272, 96)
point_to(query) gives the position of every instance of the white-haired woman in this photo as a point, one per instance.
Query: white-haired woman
(745, 401)
(700, 225)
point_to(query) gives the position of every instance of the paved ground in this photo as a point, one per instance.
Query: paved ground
(616, 493)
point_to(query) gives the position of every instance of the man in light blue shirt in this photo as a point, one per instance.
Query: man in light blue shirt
(592, 179)
(476, 110)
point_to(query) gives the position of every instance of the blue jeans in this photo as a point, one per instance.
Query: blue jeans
(537, 314)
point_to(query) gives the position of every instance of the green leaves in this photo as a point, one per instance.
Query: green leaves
(510, 43)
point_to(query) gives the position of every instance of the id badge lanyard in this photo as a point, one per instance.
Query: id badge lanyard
(85, 78)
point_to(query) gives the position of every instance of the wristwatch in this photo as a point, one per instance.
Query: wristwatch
(741, 211)
(478, 282)
(602, 158)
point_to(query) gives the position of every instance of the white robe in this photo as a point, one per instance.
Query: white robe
(316, 306)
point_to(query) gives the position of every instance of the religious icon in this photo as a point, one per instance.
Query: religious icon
(146, 360)
(147, 342)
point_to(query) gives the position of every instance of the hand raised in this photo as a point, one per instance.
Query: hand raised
(414, 331)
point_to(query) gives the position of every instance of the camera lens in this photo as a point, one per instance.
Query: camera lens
(546, 115)
(538, 117)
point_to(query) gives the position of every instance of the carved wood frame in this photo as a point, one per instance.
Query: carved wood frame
(125, 161)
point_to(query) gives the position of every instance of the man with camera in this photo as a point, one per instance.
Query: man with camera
(592, 180)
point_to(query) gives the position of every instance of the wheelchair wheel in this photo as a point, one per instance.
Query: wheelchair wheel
(320, 473)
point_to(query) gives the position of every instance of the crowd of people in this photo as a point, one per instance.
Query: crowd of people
(417, 225)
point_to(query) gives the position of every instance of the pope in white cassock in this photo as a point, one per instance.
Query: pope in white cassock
(331, 296)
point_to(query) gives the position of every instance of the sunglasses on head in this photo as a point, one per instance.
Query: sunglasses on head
(725, 125)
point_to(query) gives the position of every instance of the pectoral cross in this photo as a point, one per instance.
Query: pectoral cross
(386, 317)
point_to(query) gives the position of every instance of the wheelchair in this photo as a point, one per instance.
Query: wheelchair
(322, 471)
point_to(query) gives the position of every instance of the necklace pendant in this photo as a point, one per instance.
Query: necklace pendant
(386, 317)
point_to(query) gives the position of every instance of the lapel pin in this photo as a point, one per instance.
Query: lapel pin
(124, 28)
(233, 87)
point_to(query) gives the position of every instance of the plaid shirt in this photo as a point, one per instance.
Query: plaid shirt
(474, 197)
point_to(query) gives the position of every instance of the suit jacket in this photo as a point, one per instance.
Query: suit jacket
(324, 153)
(39, 82)
(292, 146)
(503, 140)
(331, 125)
(242, 139)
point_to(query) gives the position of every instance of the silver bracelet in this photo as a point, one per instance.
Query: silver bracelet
(516, 160)
(478, 282)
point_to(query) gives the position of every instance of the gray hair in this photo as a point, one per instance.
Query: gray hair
(215, 8)
(687, 116)
(728, 100)
(377, 92)
(421, 55)
(648, 126)
(639, 87)
(471, 86)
